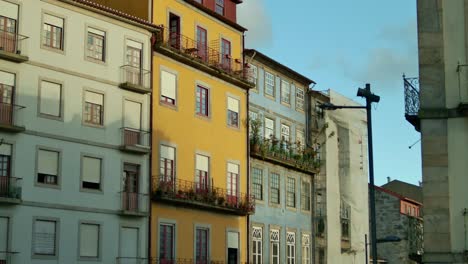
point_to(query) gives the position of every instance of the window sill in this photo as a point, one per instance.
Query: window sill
(286, 104)
(56, 50)
(275, 205)
(94, 191)
(271, 97)
(203, 117)
(50, 186)
(292, 209)
(237, 128)
(84, 123)
(51, 117)
(168, 105)
(48, 257)
(93, 60)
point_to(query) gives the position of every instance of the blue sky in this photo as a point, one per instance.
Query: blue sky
(343, 44)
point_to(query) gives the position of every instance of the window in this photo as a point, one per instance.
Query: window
(50, 103)
(202, 172)
(5, 169)
(269, 128)
(274, 188)
(257, 247)
(202, 43)
(285, 92)
(305, 196)
(174, 31)
(344, 219)
(89, 241)
(166, 243)
(91, 178)
(44, 238)
(252, 116)
(202, 101)
(269, 84)
(47, 167)
(131, 200)
(52, 35)
(291, 195)
(134, 59)
(232, 179)
(132, 134)
(95, 45)
(253, 76)
(300, 140)
(257, 182)
(274, 246)
(94, 108)
(305, 249)
(201, 246)
(219, 8)
(167, 164)
(299, 99)
(226, 54)
(8, 26)
(4, 240)
(290, 248)
(285, 132)
(168, 87)
(321, 256)
(233, 112)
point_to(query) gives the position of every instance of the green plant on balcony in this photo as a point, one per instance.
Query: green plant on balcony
(255, 126)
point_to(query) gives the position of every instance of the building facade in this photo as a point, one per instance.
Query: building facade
(436, 106)
(75, 106)
(200, 158)
(282, 163)
(341, 197)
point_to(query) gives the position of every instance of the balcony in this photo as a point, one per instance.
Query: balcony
(135, 141)
(415, 238)
(200, 196)
(133, 204)
(186, 261)
(7, 257)
(10, 190)
(135, 79)
(285, 154)
(9, 120)
(203, 57)
(130, 260)
(12, 47)
(412, 103)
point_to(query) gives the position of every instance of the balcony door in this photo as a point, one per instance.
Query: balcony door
(8, 26)
(7, 82)
(130, 187)
(226, 54)
(4, 222)
(5, 170)
(202, 43)
(134, 60)
(132, 123)
(202, 173)
(174, 31)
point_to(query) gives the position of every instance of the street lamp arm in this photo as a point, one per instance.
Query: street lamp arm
(330, 106)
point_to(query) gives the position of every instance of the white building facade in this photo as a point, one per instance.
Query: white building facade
(74, 141)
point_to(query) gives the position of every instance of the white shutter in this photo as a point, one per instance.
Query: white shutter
(3, 237)
(233, 240)
(202, 163)
(5, 149)
(53, 20)
(91, 170)
(8, 9)
(44, 237)
(233, 104)
(167, 152)
(47, 162)
(129, 243)
(233, 168)
(50, 98)
(132, 114)
(7, 78)
(168, 84)
(89, 240)
(134, 44)
(96, 31)
(94, 98)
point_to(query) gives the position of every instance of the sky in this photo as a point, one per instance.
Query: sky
(342, 45)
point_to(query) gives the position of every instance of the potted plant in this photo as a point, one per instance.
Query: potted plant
(255, 126)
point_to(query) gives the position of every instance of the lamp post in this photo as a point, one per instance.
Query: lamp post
(370, 98)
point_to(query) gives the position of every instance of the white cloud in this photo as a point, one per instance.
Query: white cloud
(252, 15)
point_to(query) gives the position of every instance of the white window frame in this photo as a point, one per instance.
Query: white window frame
(272, 129)
(90, 53)
(41, 98)
(257, 240)
(275, 242)
(305, 249)
(300, 99)
(290, 247)
(99, 236)
(58, 173)
(233, 105)
(56, 238)
(285, 92)
(101, 175)
(254, 75)
(169, 94)
(269, 83)
(285, 132)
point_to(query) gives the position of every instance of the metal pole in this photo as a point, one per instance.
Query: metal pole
(371, 176)
(365, 239)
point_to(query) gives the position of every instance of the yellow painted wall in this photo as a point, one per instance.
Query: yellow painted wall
(191, 134)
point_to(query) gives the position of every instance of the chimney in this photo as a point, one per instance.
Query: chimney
(388, 179)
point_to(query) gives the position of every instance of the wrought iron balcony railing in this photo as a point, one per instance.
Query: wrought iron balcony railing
(412, 101)
(203, 196)
(7, 257)
(131, 260)
(135, 79)
(10, 189)
(304, 159)
(132, 203)
(13, 46)
(209, 55)
(9, 117)
(135, 140)
(187, 261)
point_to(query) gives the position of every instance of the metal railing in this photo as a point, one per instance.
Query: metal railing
(10, 187)
(12, 42)
(205, 54)
(186, 261)
(9, 113)
(132, 75)
(131, 260)
(304, 158)
(135, 137)
(6, 257)
(134, 202)
(201, 193)
(412, 103)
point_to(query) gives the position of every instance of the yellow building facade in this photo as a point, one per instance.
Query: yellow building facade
(200, 198)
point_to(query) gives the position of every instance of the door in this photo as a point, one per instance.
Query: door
(7, 82)
(5, 175)
(132, 123)
(134, 62)
(174, 31)
(129, 245)
(4, 240)
(202, 43)
(226, 54)
(130, 190)
(8, 34)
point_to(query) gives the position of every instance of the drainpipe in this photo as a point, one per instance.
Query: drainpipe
(150, 185)
(312, 211)
(248, 152)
